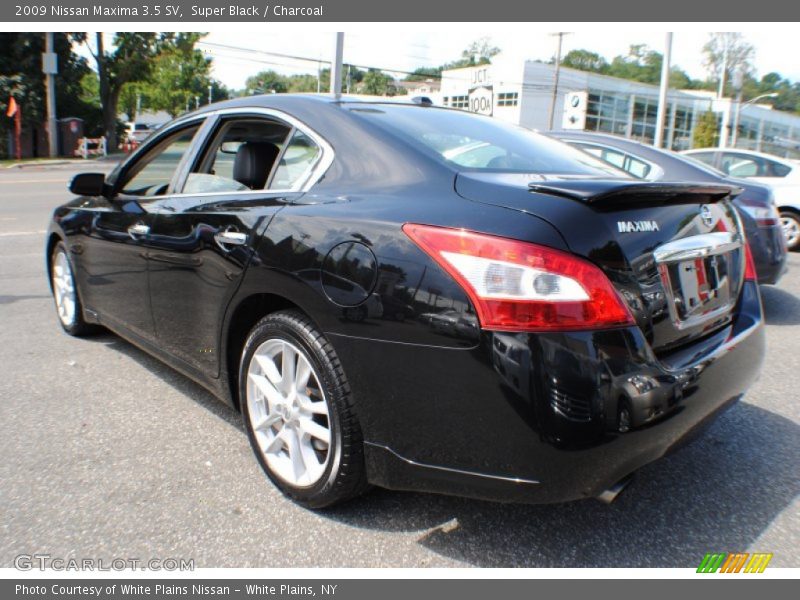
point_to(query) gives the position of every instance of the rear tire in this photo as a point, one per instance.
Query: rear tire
(65, 294)
(298, 412)
(790, 222)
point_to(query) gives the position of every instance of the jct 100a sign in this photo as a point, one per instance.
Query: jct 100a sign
(481, 100)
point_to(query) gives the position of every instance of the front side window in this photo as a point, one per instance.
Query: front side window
(151, 174)
(738, 165)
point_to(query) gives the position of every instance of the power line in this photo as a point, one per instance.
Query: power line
(534, 87)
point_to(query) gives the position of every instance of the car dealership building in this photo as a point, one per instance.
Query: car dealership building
(522, 92)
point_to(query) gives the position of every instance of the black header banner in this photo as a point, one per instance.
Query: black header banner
(265, 11)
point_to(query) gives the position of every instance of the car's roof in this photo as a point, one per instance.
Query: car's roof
(601, 137)
(307, 100)
(787, 161)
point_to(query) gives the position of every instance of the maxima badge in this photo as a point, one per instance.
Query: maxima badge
(633, 226)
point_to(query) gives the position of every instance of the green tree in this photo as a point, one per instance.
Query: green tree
(377, 83)
(584, 60)
(130, 60)
(21, 76)
(424, 73)
(179, 77)
(266, 82)
(706, 131)
(130, 97)
(640, 64)
(479, 52)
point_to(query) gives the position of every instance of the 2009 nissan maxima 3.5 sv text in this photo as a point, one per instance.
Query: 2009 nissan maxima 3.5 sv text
(415, 297)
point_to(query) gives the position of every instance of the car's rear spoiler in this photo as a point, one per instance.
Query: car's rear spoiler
(609, 192)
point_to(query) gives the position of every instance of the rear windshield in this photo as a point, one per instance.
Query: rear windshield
(473, 142)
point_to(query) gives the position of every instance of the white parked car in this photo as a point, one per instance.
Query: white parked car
(138, 132)
(782, 174)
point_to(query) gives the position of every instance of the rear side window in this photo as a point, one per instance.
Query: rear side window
(297, 160)
(637, 168)
(631, 165)
(776, 169)
(251, 153)
(779, 170)
(474, 142)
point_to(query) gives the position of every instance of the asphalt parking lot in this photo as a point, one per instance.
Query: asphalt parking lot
(106, 453)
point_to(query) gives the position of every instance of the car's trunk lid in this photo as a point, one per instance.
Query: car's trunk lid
(674, 251)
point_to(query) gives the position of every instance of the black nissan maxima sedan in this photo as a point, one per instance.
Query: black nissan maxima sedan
(756, 203)
(563, 325)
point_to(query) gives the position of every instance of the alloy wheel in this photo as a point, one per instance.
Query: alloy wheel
(791, 230)
(64, 288)
(624, 420)
(288, 412)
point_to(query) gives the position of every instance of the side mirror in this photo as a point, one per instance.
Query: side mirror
(88, 184)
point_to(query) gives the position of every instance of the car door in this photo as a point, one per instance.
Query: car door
(113, 263)
(203, 238)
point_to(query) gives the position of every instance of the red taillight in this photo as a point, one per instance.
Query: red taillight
(750, 266)
(518, 286)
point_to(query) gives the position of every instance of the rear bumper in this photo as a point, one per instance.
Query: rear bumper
(535, 417)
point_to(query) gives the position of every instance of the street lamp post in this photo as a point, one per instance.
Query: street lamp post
(739, 106)
(556, 74)
(662, 92)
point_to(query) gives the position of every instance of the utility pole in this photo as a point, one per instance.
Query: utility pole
(336, 66)
(210, 89)
(50, 68)
(662, 94)
(560, 35)
(319, 76)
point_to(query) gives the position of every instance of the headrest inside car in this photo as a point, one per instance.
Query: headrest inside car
(253, 162)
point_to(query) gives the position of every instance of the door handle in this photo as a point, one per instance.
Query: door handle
(138, 229)
(230, 238)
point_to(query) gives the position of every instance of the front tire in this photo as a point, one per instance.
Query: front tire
(790, 222)
(298, 412)
(65, 294)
